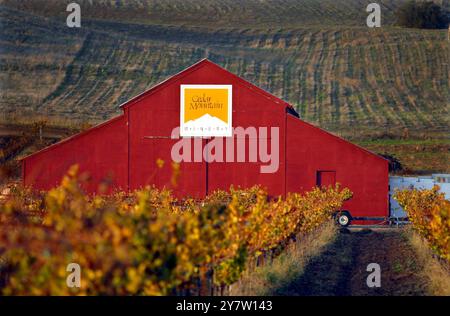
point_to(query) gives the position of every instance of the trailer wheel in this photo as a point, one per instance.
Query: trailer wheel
(344, 219)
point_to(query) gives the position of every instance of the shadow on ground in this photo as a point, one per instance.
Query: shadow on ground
(341, 268)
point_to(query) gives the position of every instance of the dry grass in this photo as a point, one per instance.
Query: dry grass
(417, 156)
(263, 280)
(21, 120)
(435, 270)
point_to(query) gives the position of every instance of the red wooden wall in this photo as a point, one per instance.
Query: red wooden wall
(100, 151)
(312, 150)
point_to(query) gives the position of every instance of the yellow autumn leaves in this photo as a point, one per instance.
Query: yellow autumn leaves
(146, 242)
(429, 212)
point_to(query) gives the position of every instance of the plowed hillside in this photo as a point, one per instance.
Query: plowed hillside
(317, 55)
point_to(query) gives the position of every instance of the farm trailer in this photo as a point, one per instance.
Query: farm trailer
(397, 214)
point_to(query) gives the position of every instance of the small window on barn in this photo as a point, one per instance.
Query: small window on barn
(325, 178)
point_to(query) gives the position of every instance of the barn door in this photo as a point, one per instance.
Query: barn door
(326, 178)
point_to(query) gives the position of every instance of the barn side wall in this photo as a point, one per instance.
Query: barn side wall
(101, 152)
(311, 150)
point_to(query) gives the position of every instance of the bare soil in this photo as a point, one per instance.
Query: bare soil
(341, 269)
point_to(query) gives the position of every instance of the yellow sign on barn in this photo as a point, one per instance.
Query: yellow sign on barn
(206, 110)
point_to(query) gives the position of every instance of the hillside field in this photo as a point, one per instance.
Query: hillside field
(321, 58)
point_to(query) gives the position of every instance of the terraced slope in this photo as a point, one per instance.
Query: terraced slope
(336, 76)
(223, 13)
(34, 56)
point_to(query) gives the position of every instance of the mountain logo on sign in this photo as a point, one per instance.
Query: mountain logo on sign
(205, 121)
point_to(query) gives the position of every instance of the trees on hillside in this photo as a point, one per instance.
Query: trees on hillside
(426, 15)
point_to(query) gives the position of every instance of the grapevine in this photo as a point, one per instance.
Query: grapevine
(429, 213)
(146, 242)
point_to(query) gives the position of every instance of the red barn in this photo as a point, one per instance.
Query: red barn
(127, 148)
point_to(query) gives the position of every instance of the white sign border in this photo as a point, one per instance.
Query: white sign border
(229, 87)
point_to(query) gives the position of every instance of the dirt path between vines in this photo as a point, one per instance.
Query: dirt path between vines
(341, 268)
